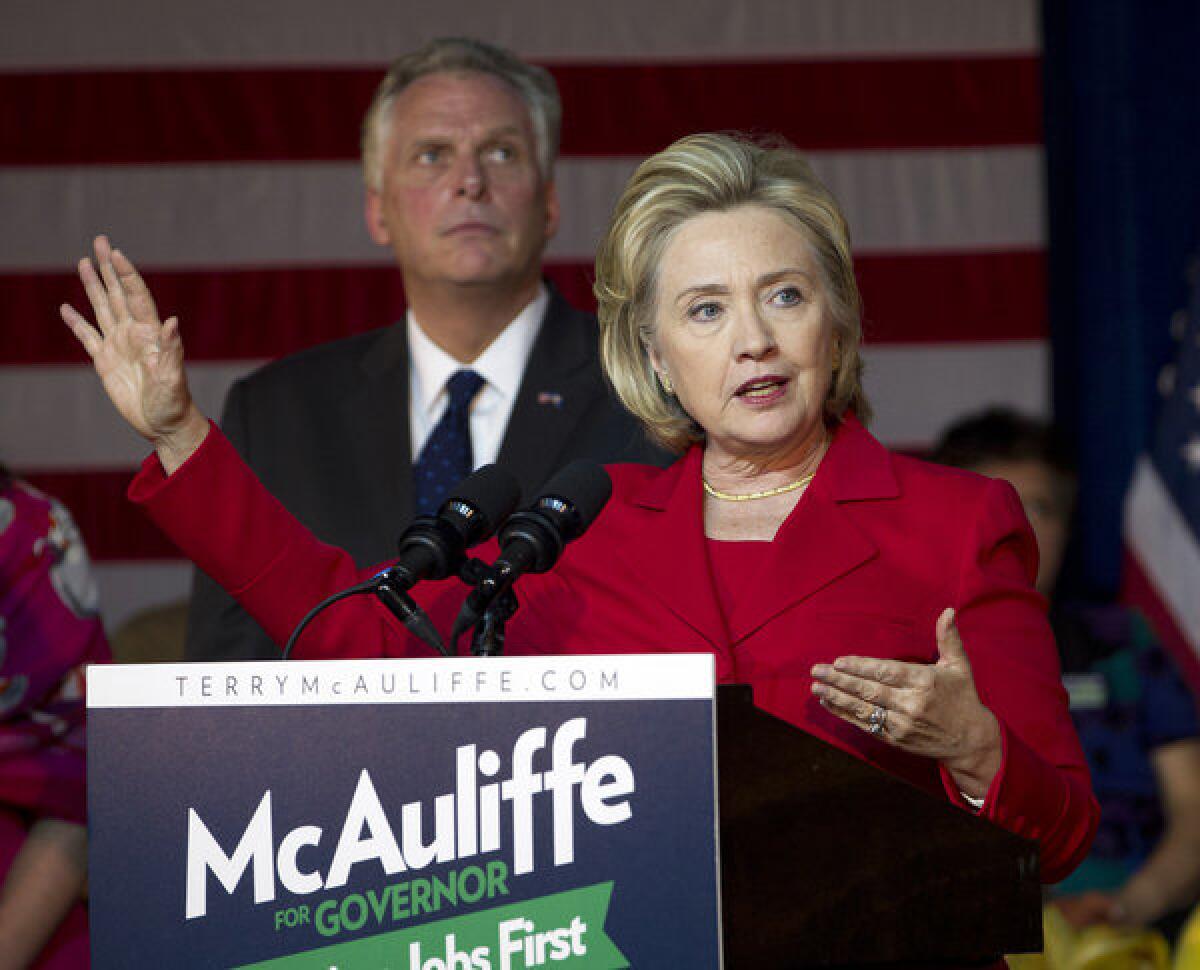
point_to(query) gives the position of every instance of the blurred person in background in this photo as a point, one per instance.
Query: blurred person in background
(1134, 714)
(49, 629)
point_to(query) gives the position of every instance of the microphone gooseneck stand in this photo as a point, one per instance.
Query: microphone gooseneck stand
(487, 638)
(393, 597)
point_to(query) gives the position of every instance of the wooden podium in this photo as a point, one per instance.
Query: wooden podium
(828, 862)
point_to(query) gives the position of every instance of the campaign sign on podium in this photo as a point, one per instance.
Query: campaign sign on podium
(461, 814)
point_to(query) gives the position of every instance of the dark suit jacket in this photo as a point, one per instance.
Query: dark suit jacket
(327, 432)
(872, 553)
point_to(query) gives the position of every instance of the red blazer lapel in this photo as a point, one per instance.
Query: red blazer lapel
(819, 542)
(669, 554)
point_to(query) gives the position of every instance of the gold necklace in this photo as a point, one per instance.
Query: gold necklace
(751, 496)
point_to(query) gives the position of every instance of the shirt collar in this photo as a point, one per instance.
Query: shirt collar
(501, 365)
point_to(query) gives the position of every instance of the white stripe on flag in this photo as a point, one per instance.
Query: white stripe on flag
(916, 390)
(1165, 547)
(59, 418)
(245, 215)
(81, 33)
(127, 588)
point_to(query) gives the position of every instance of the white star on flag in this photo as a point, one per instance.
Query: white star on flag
(1191, 453)
(1179, 322)
(1166, 380)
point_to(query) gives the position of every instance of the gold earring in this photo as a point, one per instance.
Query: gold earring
(666, 383)
(837, 359)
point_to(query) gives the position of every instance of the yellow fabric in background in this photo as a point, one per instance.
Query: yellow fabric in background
(1187, 948)
(1102, 948)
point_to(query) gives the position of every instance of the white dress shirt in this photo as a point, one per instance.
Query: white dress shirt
(501, 365)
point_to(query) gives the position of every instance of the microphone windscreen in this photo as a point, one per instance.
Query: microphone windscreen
(491, 493)
(582, 484)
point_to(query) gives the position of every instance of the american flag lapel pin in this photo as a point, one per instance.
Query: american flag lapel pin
(550, 398)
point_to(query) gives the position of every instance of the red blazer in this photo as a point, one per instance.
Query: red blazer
(875, 549)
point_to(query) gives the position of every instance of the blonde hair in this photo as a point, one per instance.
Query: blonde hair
(714, 173)
(463, 55)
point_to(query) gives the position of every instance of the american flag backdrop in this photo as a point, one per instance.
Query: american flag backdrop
(1162, 511)
(217, 144)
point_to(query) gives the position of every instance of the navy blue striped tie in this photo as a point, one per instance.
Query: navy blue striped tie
(446, 457)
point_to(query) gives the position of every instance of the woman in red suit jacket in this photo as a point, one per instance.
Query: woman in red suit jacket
(839, 580)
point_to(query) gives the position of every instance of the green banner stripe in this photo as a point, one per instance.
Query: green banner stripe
(563, 930)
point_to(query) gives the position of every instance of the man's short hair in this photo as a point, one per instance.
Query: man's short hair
(463, 55)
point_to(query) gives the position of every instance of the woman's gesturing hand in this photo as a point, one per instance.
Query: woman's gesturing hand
(928, 709)
(139, 359)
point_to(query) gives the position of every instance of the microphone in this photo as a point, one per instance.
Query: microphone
(532, 540)
(434, 546)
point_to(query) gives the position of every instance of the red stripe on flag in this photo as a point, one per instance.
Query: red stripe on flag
(112, 527)
(194, 115)
(953, 297)
(249, 314)
(825, 105)
(1139, 591)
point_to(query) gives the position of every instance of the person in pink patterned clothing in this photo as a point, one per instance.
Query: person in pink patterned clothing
(49, 630)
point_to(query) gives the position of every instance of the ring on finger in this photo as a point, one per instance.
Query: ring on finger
(877, 720)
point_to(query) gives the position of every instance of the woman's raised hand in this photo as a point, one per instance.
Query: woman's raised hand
(139, 359)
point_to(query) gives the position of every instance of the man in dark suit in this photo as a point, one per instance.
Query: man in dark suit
(490, 364)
